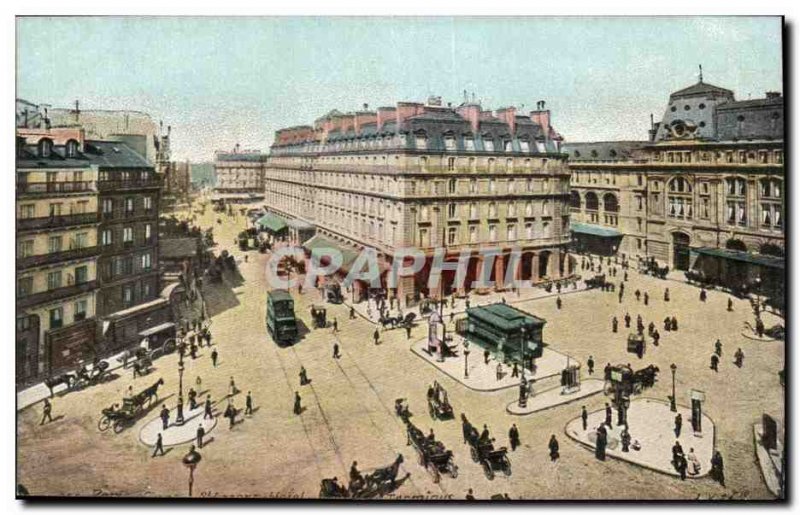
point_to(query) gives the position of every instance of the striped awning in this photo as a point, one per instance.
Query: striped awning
(272, 223)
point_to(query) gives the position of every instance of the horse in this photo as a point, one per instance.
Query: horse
(67, 379)
(646, 376)
(382, 475)
(149, 392)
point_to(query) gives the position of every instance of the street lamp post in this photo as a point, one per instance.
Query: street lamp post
(672, 404)
(466, 358)
(179, 418)
(191, 460)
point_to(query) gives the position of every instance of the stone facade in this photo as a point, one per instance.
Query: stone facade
(711, 172)
(427, 176)
(240, 172)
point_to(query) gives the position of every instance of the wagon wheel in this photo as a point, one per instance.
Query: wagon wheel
(506, 466)
(474, 454)
(431, 411)
(119, 425)
(434, 471)
(104, 423)
(169, 346)
(487, 469)
(453, 469)
(421, 457)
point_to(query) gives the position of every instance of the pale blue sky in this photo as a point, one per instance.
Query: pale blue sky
(219, 81)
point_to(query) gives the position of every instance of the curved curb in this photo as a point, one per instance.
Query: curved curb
(552, 406)
(762, 339)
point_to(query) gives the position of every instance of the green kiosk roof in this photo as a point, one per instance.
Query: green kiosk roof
(272, 223)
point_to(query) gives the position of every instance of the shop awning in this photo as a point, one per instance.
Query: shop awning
(349, 254)
(300, 225)
(157, 329)
(272, 223)
(594, 230)
(745, 257)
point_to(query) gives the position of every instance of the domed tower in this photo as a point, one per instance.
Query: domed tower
(690, 113)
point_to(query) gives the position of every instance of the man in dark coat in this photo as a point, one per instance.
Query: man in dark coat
(590, 364)
(336, 354)
(553, 446)
(666, 295)
(164, 416)
(730, 304)
(614, 325)
(678, 425)
(674, 323)
(608, 415)
(656, 337)
(376, 336)
(667, 324)
(201, 433)
(584, 417)
(646, 298)
(192, 395)
(738, 358)
(714, 363)
(248, 404)
(159, 446)
(352, 313)
(297, 408)
(600, 445)
(625, 438)
(208, 413)
(214, 356)
(717, 468)
(703, 295)
(466, 427)
(513, 437)
(46, 412)
(627, 320)
(408, 332)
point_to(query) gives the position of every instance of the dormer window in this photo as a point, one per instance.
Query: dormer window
(507, 146)
(449, 142)
(525, 145)
(488, 144)
(421, 141)
(45, 147)
(72, 148)
(469, 143)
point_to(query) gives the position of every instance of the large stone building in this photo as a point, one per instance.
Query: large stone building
(87, 223)
(711, 175)
(239, 175)
(428, 176)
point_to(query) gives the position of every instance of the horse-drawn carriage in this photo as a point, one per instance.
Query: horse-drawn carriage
(623, 381)
(119, 417)
(433, 455)
(636, 344)
(482, 451)
(598, 281)
(96, 373)
(439, 406)
(333, 293)
(397, 321)
(319, 317)
(378, 482)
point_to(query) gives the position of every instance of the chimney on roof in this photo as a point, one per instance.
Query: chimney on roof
(169, 130)
(366, 106)
(77, 111)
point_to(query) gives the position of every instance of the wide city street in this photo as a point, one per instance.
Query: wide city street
(349, 412)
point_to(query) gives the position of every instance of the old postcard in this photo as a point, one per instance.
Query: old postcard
(400, 259)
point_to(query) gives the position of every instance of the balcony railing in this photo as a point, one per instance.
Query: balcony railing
(32, 188)
(46, 222)
(57, 257)
(129, 184)
(55, 294)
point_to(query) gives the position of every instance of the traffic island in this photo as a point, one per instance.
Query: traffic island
(481, 376)
(177, 434)
(652, 425)
(553, 397)
(769, 460)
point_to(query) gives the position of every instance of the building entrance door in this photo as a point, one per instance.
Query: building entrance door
(680, 251)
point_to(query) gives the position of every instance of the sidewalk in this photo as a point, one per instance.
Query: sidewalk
(175, 434)
(650, 422)
(482, 376)
(369, 309)
(553, 397)
(769, 462)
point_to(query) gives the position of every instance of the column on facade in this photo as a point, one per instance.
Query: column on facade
(535, 268)
(499, 270)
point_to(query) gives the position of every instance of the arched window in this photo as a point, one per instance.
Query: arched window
(45, 147)
(680, 185)
(610, 203)
(592, 202)
(72, 148)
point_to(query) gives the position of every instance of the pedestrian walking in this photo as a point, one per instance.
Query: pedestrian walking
(625, 438)
(714, 363)
(600, 443)
(352, 313)
(470, 496)
(193, 350)
(230, 413)
(584, 417)
(192, 395)
(608, 416)
(515, 370)
(667, 324)
(164, 416)
(718, 348)
(620, 296)
(159, 448)
(666, 295)
(646, 298)
(303, 376)
(678, 425)
(558, 302)
(336, 354)
(730, 304)
(376, 336)
(674, 323)
(335, 325)
(486, 355)
(738, 357)
(232, 390)
(614, 324)
(248, 404)
(297, 408)
(703, 295)
(717, 468)
(638, 295)
(201, 433)
(199, 382)
(513, 437)
(208, 413)
(408, 331)
(656, 337)
(47, 410)
(627, 321)
(553, 446)
(694, 463)
(214, 356)
(590, 364)
(499, 371)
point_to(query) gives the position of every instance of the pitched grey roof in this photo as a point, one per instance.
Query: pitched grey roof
(104, 154)
(701, 88)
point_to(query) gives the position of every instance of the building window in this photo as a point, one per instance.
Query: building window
(421, 142)
(108, 206)
(55, 209)
(45, 147)
(127, 294)
(473, 186)
(492, 232)
(449, 142)
(488, 144)
(27, 211)
(80, 310)
(451, 235)
(473, 233)
(492, 210)
(24, 286)
(54, 280)
(127, 235)
(81, 274)
(25, 248)
(469, 144)
(148, 203)
(508, 146)
(56, 318)
(54, 244)
(129, 203)
(524, 145)
(529, 231)
(451, 186)
(511, 232)
(106, 237)
(492, 185)
(451, 211)
(146, 261)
